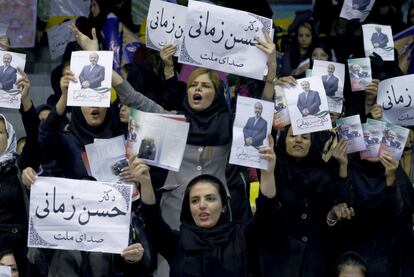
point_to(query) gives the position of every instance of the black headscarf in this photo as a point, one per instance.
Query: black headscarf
(212, 126)
(301, 175)
(86, 134)
(216, 251)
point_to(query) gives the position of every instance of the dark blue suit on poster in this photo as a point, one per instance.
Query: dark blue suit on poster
(8, 77)
(94, 76)
(311, 102)
(255, 131)
(362, 4)
(379, 38)
(330, 84)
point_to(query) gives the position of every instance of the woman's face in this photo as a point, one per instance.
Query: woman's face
(297, 146)
(319, 54)
(304, 37)
(3, 137)
(8, 260)
(351, 271)
(94, 116)
(205, 204)
(95, 10)
(124, 114)
(201, 93)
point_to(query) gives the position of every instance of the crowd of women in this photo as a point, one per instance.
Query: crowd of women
(315, 215)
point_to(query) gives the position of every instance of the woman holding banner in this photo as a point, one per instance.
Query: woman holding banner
(208, 243)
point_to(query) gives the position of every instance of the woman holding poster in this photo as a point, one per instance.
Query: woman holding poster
(307, 191)
(208, 242)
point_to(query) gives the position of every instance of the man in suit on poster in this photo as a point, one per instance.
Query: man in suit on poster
(309, 100)
(8, 74)
(330, 81)
(92, 75)
(256, 128)
(379, 39)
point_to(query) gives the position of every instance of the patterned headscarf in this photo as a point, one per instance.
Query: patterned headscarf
(9, 154)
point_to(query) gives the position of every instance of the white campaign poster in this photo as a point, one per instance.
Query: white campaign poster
(333, 76)
(281, 116)
(252, 125)
(93, 70)
(378, 39)
(356, 9)
(396, 97)
(159, 139)
(223, 39)
(79, 215)
(308, 106)
(350, 129)
(165, 25)
(58, 37)
(10, 94)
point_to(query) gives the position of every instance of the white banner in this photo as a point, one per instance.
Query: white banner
(58, 37)
(224, 39)
(165, 25)
(395, 95)
(79, 215)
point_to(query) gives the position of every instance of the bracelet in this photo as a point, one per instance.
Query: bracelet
(331, 222)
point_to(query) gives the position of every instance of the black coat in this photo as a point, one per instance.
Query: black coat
(13, 217)
(306, 191)
(381, 231)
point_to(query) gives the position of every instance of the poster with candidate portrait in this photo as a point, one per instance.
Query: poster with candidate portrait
(10, 93)
(373, 133)
(93, 71)
(333, 76)
(252, 125)
(356, 9)
(378, 39)
(308, 106)
(350, 129)
(393, 140)
(359, 73)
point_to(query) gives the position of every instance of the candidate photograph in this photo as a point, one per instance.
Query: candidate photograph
(379, 39)
(255, 129)
(93, 74)
(330, 81)
(8, 74)
(309, 100)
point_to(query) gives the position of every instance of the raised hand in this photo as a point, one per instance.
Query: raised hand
(391, 165)
(167, 53)
(137, 171)
(24, 83)
(83, 40)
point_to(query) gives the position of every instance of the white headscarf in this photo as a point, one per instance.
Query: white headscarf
(9, 154)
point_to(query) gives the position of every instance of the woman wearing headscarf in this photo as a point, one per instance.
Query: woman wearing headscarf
(67, 146)
(381, 230)
(297, 244)
(209, 138)
(13, 216)
(208, 243)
